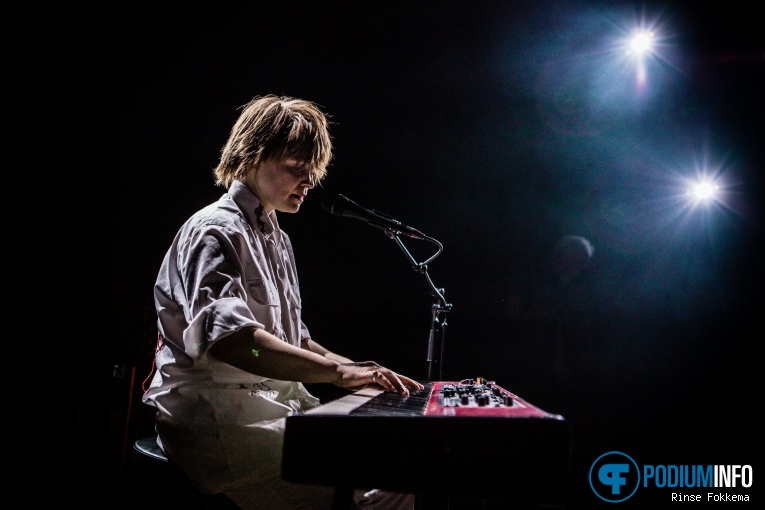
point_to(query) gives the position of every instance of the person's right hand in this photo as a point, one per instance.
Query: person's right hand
(368, 374)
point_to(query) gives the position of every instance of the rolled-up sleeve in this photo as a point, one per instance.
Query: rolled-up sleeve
(224, 293)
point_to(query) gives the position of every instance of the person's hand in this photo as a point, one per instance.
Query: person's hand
(368, 374)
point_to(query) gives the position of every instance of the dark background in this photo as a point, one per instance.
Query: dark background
(493, 127)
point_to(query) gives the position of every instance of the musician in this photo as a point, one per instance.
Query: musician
(233, 352)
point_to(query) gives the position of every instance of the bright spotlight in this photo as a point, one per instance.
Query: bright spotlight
(639, 48)
(704, 191)
(641, 43)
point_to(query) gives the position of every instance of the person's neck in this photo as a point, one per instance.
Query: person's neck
(250, 183)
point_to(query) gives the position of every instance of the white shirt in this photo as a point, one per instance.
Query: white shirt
(230, 266)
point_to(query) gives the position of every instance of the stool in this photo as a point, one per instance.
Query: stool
(156, 483)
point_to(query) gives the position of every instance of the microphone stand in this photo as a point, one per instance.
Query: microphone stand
(437, 336)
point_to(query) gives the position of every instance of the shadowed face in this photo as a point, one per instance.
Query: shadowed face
(280, 186)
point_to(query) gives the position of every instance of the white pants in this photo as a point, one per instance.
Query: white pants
(244, 463)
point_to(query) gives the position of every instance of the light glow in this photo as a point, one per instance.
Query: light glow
(641, 43)
(704, 190)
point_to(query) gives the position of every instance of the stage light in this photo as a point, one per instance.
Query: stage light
(704, 190)
(641, 43)
(642, 50)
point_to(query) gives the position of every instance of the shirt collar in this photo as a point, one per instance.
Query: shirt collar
(250, 204)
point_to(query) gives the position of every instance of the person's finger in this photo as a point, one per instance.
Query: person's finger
(411, 383)
(379, 379)
(395, 381)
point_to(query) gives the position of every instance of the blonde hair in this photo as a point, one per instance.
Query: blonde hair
(280, 128)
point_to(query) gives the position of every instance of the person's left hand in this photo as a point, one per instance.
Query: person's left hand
(369, 374)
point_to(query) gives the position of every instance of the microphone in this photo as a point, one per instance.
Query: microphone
(340, 205)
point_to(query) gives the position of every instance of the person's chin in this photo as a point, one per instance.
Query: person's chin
(291, 208)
